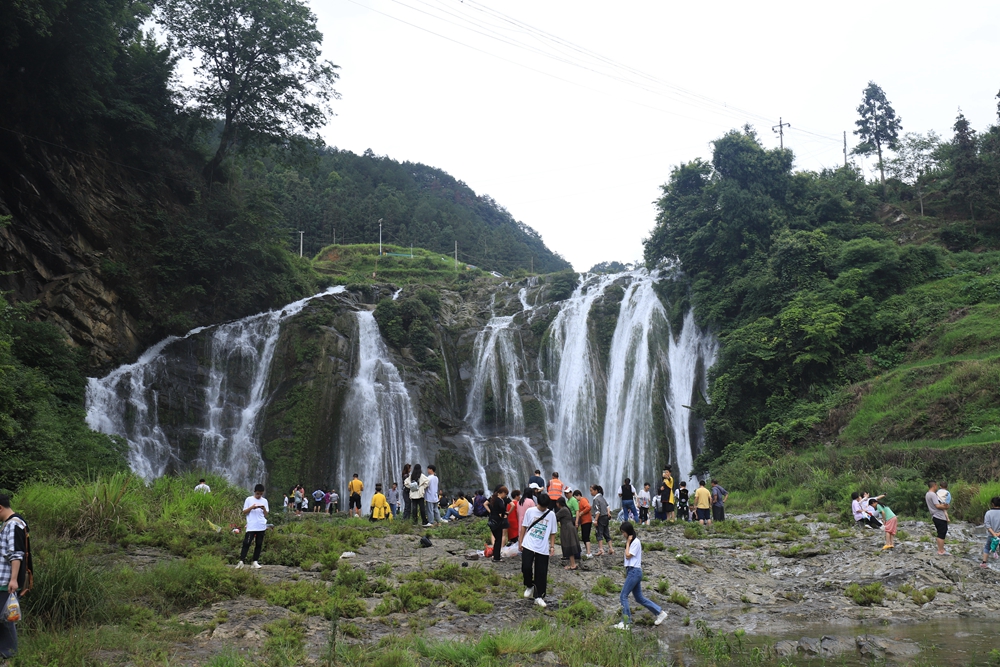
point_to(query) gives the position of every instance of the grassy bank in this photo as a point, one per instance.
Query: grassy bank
(348, 264)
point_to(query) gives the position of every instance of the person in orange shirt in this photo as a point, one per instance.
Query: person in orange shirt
(584, 520)
(555, 487)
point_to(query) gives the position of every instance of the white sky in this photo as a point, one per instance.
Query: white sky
(579, 155)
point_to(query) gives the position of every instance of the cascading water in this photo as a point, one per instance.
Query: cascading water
(125, 401)
(495, 413)
(380, 431)
(571, 396)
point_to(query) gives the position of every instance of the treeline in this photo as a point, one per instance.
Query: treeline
(806, 276)
(338, 196)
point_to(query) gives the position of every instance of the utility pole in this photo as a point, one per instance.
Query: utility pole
(845, 148)
(380, 236)
(456, 256)
(411, 249)
(300, 242)
(532, 265)
(779, 129)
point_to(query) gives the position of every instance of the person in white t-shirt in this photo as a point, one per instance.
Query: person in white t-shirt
(633, 579)
(255, 509)
(536, 543)
(202, 487)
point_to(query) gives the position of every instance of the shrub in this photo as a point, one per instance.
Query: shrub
(605, 585)
(866, 596)
(72, 592)
(676, 597)
(578, 613)
(200, 581)
(468, 600)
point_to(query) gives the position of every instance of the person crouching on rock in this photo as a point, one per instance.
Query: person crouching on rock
(380, 506)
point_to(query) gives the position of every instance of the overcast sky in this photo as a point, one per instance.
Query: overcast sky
(571, 114)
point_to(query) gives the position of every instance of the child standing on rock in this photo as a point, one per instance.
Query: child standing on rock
(889, 519)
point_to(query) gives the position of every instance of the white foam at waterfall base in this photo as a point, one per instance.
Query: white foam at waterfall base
(379, 431)
(124, 402)
(571, 396)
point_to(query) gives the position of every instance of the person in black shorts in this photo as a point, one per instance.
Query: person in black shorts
(682, 502)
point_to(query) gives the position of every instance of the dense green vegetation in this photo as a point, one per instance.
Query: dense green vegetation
(42, 432)
(848, 319)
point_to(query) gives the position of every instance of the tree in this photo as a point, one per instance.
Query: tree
(916, 155)
(965, 163)
(878, 126)
(260, 67)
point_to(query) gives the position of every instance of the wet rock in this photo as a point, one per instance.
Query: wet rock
(783, 649)
(549, 658)
(834, 646)
(809, 645)
(875, 646)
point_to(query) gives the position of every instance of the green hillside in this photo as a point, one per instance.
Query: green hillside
(361, 263)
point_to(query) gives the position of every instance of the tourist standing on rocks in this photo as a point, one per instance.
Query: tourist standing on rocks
(537, 479)
(627, 495)
(392, 497)
(498, 519)
(555, 488)
(889, 517)
(537, 541)
(668, 499)
(431, 498)
(719, 496)
(682, 502)
(571, 502)
(703, 504)
(513, 527)
(318, 496)
(354, 489)
(938, 515)
(603, 511)
(992, 523)
(13, 545)
(202, 486)
(407, 505)
(418, 488)
(643, 500)
(633, 580)
(333, 507)
(945, 496)
(255, 509)
(298, 494)
(568, 539)
(584, 519)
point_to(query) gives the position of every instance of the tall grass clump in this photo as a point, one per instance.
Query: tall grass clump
(111, 507)
(195, 582)
(72, 592)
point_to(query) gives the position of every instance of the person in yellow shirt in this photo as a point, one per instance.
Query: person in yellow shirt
(458, 509)
(703, 504)
(380, 506)
(668, 487)
(354, 489)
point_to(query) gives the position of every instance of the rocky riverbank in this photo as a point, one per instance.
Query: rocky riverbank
(766, 576)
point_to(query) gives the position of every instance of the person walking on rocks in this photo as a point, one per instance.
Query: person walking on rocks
(683, 511)
(719, 496)
(255, 509)
(417, 484)
(603, 516)
(992, 523)
(633, 580)
(584, 519)
(627, 495)
(643, 500)
(537, 541)
(703, 504)
(568, 539)
(354, 489)
(938, 516)
(498, 519)
(334, 502)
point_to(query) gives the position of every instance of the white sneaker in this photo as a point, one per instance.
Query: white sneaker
(589, 556)
(620, 626)
(428, 525)
(240, 565)
(529, 592)
(255, 565)
(540, 602)
(444, 520)
(662, 617)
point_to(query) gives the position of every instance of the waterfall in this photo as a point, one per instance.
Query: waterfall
(125, 401)
(690, 355)
(379, 431)
(571, 397)
(495, 414)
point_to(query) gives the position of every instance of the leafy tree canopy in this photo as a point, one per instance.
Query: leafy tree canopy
(878, 125)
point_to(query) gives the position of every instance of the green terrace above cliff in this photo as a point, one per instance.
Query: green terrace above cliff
(346, 264)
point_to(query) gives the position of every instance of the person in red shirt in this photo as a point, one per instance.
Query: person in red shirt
(584, 520)
(512, 521)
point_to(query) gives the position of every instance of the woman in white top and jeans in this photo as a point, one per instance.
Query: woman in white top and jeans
(633, 579)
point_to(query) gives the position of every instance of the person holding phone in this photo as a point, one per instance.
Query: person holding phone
(255, 509)
(633, 580)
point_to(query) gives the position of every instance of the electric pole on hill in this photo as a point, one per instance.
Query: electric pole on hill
(300, 242)
(779, 129)
(845, 148)
(456, 256)
(380, 236)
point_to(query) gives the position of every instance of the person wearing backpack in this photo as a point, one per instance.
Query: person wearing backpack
(15, 569)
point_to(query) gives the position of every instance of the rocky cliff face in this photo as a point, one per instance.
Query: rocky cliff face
(65, 214)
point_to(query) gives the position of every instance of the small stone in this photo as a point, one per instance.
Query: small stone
(549, 658)
(784, 649)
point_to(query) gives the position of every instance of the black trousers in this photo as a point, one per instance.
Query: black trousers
(418, 503)
(258, 537)
(406, 505)
(497, 530)
(535, 570)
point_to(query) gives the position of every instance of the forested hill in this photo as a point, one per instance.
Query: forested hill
(857, 320)
(339, 196)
